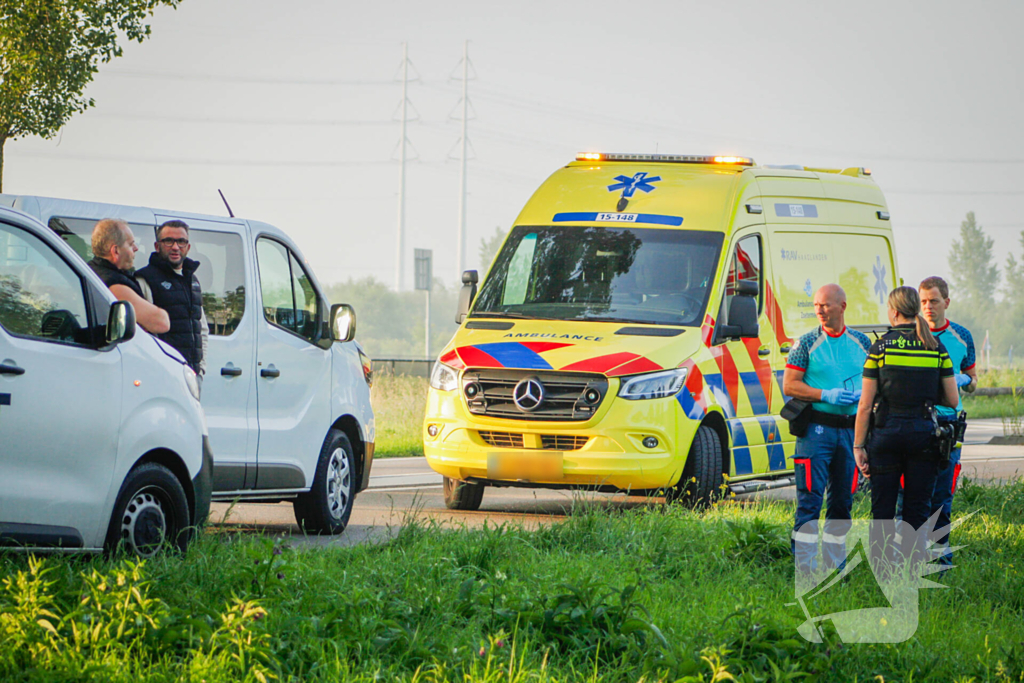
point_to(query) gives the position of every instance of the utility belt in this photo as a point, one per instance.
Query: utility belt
(948, 431)
(833, 420)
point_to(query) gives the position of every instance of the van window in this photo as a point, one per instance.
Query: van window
(40, 295)
(289, 300)
(221, 265)
(222, 276)
(745, 264)
(630, 275)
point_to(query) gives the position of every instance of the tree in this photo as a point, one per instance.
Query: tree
(49, 52)
(973, 276)
(489, 247)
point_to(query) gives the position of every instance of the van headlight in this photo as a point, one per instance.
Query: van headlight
(191, 381)
(653, 385)
(443, 378)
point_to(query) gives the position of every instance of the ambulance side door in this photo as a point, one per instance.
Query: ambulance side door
(747, 383)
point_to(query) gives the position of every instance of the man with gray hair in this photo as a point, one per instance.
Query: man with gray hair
(824, 369)
(113, 248)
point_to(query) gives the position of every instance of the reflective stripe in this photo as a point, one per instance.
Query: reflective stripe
(833, 539)
(804, 537)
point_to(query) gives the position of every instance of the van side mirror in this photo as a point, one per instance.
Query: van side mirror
(466, 296)
(742, 313)
(120, 323)
(343, 323)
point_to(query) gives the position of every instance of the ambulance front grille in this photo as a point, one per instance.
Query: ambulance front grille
(564, 401)
(502, 439)
(563, 442)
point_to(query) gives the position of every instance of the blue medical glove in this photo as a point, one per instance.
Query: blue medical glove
(838, 397)
(962, 380)
(856, 396)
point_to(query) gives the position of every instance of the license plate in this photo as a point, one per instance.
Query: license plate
(525, 465)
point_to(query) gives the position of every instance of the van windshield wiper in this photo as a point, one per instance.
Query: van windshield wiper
(625, 321)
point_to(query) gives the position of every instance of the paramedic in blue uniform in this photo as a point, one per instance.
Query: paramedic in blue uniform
(959, 345)
(824, 368)
(907, 373)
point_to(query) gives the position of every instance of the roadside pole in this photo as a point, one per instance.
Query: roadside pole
(424, 280)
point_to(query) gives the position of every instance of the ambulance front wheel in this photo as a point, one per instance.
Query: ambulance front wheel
(461, 495)
(702, 478)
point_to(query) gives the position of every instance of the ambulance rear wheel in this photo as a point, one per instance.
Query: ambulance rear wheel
(462, 495)
(702, 480)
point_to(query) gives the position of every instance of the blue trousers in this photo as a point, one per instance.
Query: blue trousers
(942, 500)
(824, 464)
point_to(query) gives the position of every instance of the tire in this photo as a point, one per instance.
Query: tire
(702, 479)
(461, 495)
(327, 506)
(151, 511)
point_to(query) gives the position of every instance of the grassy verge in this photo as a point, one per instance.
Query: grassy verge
(652, 594)
(399, 402)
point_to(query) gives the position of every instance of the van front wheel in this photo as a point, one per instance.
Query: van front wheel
(326, 507)
(461, 495)
(702, 476)
(151, 510)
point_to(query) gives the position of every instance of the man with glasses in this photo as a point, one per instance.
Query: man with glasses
(170, 282)
(113, 248)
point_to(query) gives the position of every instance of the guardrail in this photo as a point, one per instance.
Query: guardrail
(412, 367)
(997, 391)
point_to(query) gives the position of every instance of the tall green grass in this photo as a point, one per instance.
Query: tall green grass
(399, 402)
(647, 593)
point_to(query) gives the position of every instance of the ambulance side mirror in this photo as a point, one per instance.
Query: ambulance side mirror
(742, 313)
(466, 296)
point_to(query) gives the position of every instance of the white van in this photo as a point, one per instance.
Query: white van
(287, 407)
(101, 433)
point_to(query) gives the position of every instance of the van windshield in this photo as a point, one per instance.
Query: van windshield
(628, 275)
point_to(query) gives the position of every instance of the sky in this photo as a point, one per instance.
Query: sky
(292, 110)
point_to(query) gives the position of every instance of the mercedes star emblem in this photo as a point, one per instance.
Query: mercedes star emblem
(528, 394)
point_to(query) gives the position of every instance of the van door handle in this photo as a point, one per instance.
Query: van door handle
(11, 370)
(268, 372)
(786, 348)
(231, 372)
(764, 351)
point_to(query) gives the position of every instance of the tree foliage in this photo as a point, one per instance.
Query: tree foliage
(489, 247)
(49, 52)
(974, 278)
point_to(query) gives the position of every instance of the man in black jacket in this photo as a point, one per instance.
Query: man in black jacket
(113, 248)
(170, 282)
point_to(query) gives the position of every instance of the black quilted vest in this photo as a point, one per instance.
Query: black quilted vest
(112, 275)
(182, 298)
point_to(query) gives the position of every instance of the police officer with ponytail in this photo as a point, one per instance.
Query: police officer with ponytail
(907, 374)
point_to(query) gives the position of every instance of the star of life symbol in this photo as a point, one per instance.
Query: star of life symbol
(867, 576)
(880, 289)
(807, 287)
(629, 186)
(166, 285)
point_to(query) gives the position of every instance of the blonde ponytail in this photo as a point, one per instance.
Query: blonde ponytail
(906, 302)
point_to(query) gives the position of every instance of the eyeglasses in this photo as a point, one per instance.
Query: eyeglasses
(170, 242)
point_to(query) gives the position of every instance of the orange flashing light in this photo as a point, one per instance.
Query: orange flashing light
(665, 158)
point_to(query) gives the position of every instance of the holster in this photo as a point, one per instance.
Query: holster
(798, 414)
(945, 437)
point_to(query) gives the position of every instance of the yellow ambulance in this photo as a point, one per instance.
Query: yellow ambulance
(632, 332)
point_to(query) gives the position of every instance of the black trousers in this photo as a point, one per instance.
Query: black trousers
(903, 448)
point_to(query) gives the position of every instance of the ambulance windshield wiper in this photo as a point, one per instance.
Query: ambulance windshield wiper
(508, 314)
(600, 319)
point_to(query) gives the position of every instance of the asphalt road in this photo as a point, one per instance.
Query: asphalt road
(404, 488)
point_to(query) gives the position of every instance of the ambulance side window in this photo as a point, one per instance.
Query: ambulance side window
(745, 264)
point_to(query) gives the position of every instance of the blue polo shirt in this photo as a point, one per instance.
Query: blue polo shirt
(831, 362)
(960, 345)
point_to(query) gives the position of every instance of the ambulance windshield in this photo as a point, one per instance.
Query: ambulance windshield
(628, 275)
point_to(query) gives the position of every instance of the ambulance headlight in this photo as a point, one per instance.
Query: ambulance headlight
(191, 381)
(443, 378)
(653, 385)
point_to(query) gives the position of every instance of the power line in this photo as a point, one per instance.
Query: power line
(224, 78)
(201, 162)
(240, 121)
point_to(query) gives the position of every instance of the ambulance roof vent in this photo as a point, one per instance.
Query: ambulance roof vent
(666, 158)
